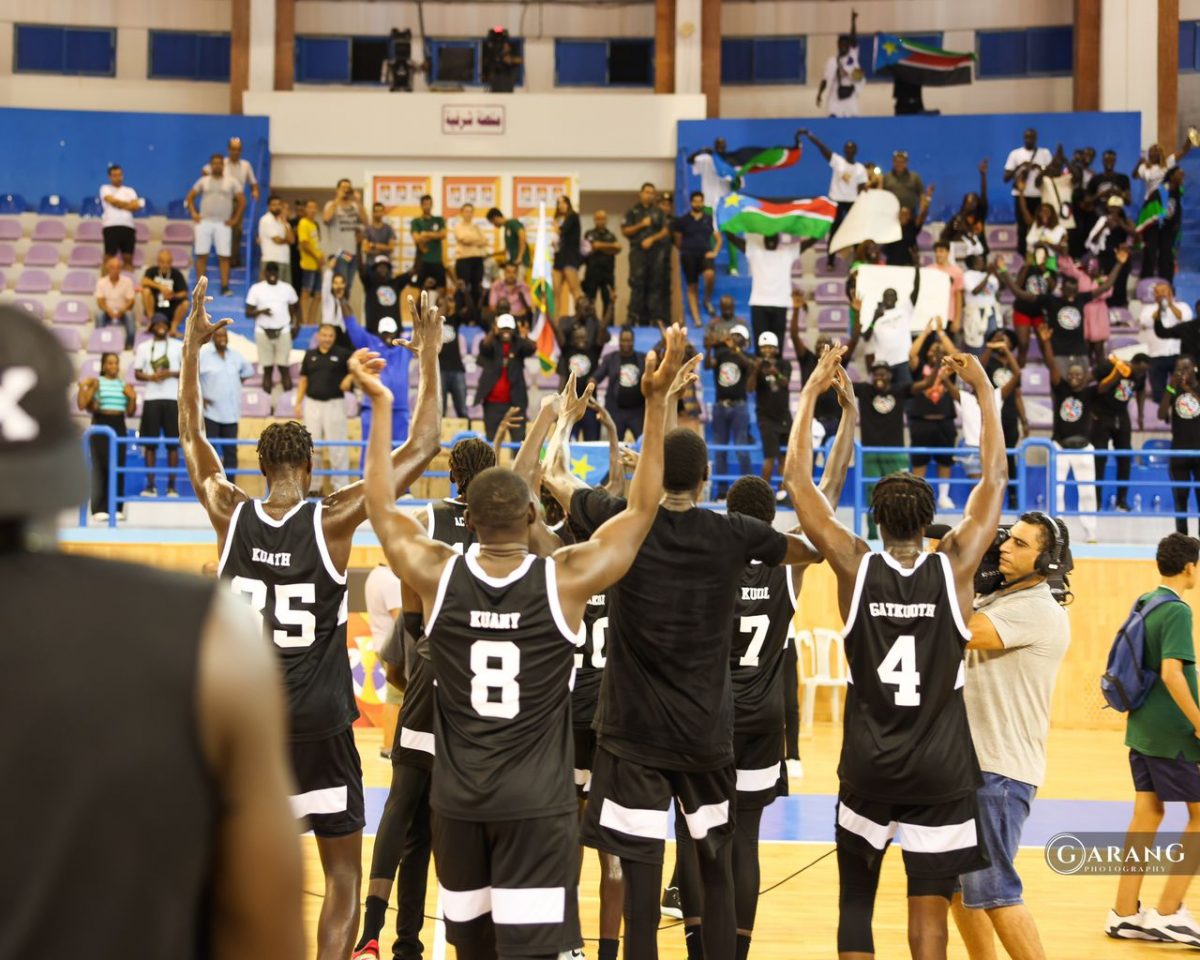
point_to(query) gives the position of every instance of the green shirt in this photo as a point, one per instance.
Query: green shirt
(1158, 727)
(512, 241)
(433, 248)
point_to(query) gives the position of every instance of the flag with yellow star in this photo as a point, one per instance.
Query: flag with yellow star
(590, 462)
(919, 63)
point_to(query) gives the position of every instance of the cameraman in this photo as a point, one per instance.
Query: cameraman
(1019, 635)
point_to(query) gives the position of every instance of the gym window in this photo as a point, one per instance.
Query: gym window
(179, 55)
(1036, 52)
(749, 61)
(459, 62)
(1189, 46)
(604, 63)
(73, 51)
(355, 60)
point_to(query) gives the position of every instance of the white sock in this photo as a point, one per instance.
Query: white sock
(944, 489)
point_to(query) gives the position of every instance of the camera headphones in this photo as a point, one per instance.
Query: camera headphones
(1049, 560)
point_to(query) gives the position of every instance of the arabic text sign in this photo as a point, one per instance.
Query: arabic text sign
(472, 118)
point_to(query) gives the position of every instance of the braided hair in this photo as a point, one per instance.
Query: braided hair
(287, 444)
(469, 458)
(902, 504)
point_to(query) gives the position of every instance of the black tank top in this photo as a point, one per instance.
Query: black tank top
(109, 806)
(282, 567)
(589, 662)
(762, 615)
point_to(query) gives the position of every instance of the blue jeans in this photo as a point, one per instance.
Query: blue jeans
(104, 320)
(730, 424)
(454, 386)
(1003, 809)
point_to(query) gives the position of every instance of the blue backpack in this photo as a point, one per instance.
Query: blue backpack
(1126, 682)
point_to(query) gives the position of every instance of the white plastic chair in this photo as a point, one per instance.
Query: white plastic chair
(829, 670)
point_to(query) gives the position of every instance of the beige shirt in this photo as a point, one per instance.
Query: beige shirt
(1008, 691)
(116, 296)
(469, 241)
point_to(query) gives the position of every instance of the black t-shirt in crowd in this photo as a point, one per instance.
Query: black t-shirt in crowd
(1038, 284)
(695, 233)
(627, 393)
(933, 403)
(583, 362)
(827, 407)
(881, 415)
(666, 699)
(1066, 322)
(450, 359)
(732, 369)
(1103, 184)
(898, 253)
(773, 396)
(1185, 421)
(325, 372)
(999, 373)
(598, 260)
(1115, 402)
(1073, 415)
(162, 301)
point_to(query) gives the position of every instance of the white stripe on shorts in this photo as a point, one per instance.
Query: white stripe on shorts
(416, 740)
(650, 824)
(917, 838)
(876, 834)
(325, 800)
(583, 778)
(462, 906)
(706, 817)
(529, 904)
(751, 781)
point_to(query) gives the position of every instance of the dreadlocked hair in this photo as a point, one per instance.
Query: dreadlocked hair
(468, 458)
(902, 504)
(287, 444)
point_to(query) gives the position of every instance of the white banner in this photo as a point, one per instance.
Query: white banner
(874, 216)
(933, 300)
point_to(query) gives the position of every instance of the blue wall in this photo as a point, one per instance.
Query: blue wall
(944, 150)
(67, 151)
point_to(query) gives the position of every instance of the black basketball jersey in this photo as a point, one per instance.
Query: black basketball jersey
(283, 569)
(589, 661)
(905, 737)
(447, 521)
(503, 656)
(762, 615)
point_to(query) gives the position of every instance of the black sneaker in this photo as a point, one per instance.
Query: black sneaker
(672, 906)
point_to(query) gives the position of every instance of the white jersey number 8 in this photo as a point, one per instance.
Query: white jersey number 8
(486, 675)
(899, 667)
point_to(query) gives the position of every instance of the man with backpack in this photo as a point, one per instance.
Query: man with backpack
(1153, 663)
(1019, 635)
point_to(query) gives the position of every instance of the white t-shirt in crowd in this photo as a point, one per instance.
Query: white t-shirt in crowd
(1155, 345)
(276, 297)
(270, 226)
(771, 271)
(111, 216)
(846, 178)
(1039, 234)
(382, 593)
(712, 184)
(985, 299)
(839, 72)
(972, 415)
(1153, 176)
(892, 336)
(154, 355)
(965, 247)
(1039, 157)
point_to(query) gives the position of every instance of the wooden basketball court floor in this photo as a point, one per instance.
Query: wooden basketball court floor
(1087, 788)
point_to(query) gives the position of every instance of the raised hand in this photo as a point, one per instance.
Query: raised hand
(967, 366)
(427, 323)
(553, 401)
(1122, 254)
(983, 165)
(685, 378)
(199, 327)
(574, 406)
(822, 378)
(660, 371)
(513, 418)
(602, 415)
(843, 387)
(365, 367)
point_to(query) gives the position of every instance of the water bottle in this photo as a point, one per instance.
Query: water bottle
(1137, 503)
(1157, 503)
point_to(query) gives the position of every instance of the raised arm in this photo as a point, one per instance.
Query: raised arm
(1122, 256)
(216, 494)
(825, 151)
(916, 290)
(799, 309)
(1005, 278)
(1045, 335)
(837, 462)
(527, 462)
(616, 473)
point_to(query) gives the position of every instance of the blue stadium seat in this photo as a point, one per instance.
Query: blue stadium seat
(148, 209)
(12, 203)
(53, 205)
(91, 207)
(177, 210)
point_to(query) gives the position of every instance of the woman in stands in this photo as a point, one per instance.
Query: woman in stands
(1181, 406)
(568, 257)
(109, 399)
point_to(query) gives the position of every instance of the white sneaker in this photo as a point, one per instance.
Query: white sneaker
(795, 769)
(100, 517)
(171, 492)
(945, 503)
(120, 514)
(1132, 927)
(571, 955)
(1179, 926)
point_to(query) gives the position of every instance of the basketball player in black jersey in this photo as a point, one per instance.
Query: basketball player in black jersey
(503, 625)
(288, 556)
(908, 766)
(403, 836)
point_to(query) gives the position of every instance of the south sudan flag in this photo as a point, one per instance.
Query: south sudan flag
(738, 213)
(917, 63)
(760, 159)
(1152, 212)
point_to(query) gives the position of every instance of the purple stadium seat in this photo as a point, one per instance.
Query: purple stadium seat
(1120, 317)
(925, 238)
(1002, 238)
(139, 257)
(181, 257)
(70, 339)
(79, 282)
(824, 270)
(285, 406)
(89, 231)
(1119, 340)
(85, 255)
(50, 231)
(72, 311)
(1145, 288)
(255, 403)
(10, 229)
(38, 281)
(140, 337)
(110, 339)
(42, 255)
(833, 318)
(178, 233)
(89, 368)
(830, 291)
(1035, 380)
(8, 255)
(255, 379)
(142, 232)
(34, 307)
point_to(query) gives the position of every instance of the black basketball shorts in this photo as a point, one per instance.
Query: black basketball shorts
(629, 807)
(329, 787)
(413, 745)
(585, 757)
(520, 875)
(761, 775)
(938, 840)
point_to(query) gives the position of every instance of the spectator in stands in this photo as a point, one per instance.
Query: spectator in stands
(843, 77)
(271, 303)
(1180, 406)
(275, 239)
(114, 298)
(600, 277)
(621, 375)
(293, 214)
(646, 226)
(1171, 224)
(771, 260)
(943, 263)
(429, 235)
(344, 219)
(381, 294)
(1023, 169)
(966, 231)
(773, 408)
(828, 412)
(736, 377)
(1042, 231)
(1118, 382)
(394, 376)
(568, 256)
(981, 316)
(164, 290)
(1157, 321)
(156, 363)
(450, 361)
(516, 244)
(1000, 362)
(906, 184)
(222, 373)
(846, 182)
(1153, 170)
(889, 334)
(109, 399)
(1074, 406)
(904, 252)
(1110, 181)
(118, 204)
(1109, 234)
(1096, 326)
(470, 250)
(334, 305)
(663, 262)
(502, 353)
(698, 245)
(308, 239)
(719, 326)
(321, 401)
(580, 355)
(240, 169)
(585, 316)
(514, 291)
(221, 205)
(881, 410)
(931, 409)
(378, 235)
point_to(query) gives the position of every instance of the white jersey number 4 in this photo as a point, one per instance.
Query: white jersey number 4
(899, 667)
